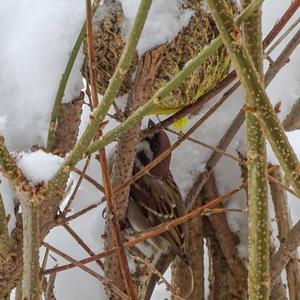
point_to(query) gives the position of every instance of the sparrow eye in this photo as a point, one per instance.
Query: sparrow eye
(155, 144)
(155, 147)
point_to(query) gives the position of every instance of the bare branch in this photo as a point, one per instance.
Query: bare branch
(103, 280)
(284, 223)
(292, 120)
(4, 237)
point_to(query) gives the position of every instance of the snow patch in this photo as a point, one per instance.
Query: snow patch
(36, 40)
(165, 20)
(39, 166)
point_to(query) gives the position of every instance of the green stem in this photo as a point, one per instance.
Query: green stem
(30, 217)
(31, 288)
(137, 116)
(258, 266)
(4, 237)
(63, 83)
(252, 83)
(108, 98)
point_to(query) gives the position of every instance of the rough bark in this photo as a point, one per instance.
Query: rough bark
(285, 224)
(190, 281)
(68, 126)
(226, 239)
(4, 237)
(126, 150)
(278, 290)
(292, 120)
(222, 283)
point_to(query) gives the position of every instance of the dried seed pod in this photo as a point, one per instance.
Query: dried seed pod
(188, 43)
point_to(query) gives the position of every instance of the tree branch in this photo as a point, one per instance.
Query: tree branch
(284, 223)
(108, 98)
(252, 83)
(113, 221)
(258, 216)
(56, 111)
(4, 237)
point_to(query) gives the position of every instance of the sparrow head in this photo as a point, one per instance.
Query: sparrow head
(150, 148)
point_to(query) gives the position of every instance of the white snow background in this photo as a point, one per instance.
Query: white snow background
(36, 38)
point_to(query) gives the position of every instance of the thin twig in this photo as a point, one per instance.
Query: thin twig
(282, 22)
(62, 219)
(155, 231)
(90, 180)
(43, 267)
(283, 58)
(150, 266)
(81, 243)
(292, 119)
(76, 263)
(50, 287)
(234, 158)
(284, 224)
(103, 162)
(209, 212)
(282, 37)
(72, 197)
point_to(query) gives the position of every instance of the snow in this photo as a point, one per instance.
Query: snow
(3, 121)
(285, 86)
(294, 140)
(36, 40)
(166, 18)
(75, 283)
(39, 166)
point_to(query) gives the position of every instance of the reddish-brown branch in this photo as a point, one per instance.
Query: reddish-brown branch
(81, 242)
(116, 229)
(90, 180)
(66, 209)
(281, 23)
(61, 219)
(284, 224)
(79, 264)
(205, 145)
(155, 231)
(103, 162)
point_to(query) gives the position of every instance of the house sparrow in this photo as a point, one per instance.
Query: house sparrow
(155, 199)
